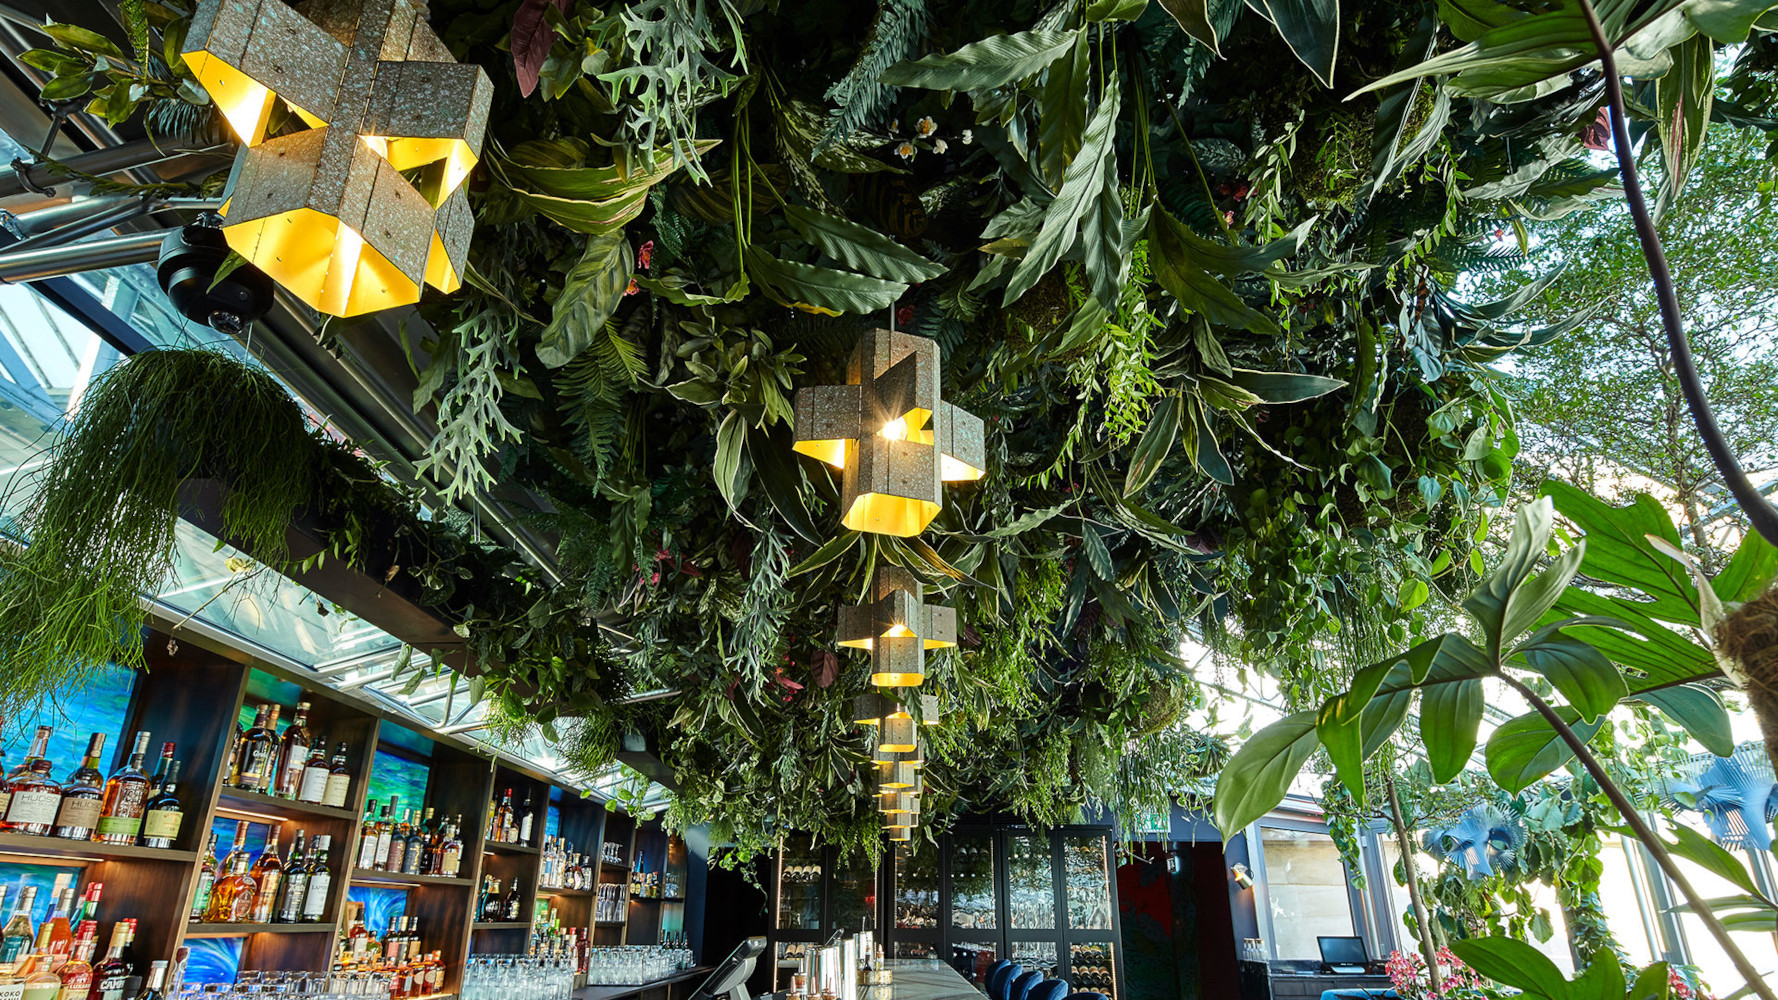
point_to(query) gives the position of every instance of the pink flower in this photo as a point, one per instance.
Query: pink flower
(632, 288)
(645, 255)
(904, 315)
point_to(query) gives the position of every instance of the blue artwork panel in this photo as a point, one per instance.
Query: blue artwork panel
(100, 708)
(391, 774)
(553, 825)
(213, 960)
(15, 877)
(224, 828)
(381, 906)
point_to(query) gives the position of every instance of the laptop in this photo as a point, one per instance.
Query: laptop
(1343, 955)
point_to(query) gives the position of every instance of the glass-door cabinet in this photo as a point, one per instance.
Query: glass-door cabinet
(814, 895)
(1043, 899)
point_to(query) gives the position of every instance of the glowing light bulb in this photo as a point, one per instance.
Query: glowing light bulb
(895, 430)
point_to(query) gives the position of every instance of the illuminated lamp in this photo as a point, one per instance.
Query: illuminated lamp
(897, 628)
(900, 833)
(358, 211)
(893, 440)
(896, 734)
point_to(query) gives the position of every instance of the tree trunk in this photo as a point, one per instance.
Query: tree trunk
(1750, 638)
(1422, 917)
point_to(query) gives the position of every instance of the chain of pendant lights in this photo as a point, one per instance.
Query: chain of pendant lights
(895, 444)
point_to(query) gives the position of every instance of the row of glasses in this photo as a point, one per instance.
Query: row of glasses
(256, 985)
(633, 965)
(517, 977)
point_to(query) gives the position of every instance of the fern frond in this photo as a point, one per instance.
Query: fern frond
(898, 29)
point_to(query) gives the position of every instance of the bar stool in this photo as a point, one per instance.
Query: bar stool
(1022, 986)
(998, 982)
(1049, 989)
(994, 970)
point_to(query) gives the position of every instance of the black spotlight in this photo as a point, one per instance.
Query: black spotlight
(191, 259)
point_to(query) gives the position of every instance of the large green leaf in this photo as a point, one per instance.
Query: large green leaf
(821, 289)
(1682, 112)
(1493, 602)
(861, 247)
(1750, 572)
(594, 287)
(1156, 441)
(1618, 549)
(1257, 777)
(1659, 655)
(1527, 748)
(1080, 214)
(1193, 17)
(1063, 114)
(552, 176)
(1700, 711)
(1450, 717)
(1583, 674)
(1513, 963)
(731, 439)
(1312, 30)
(1285, 387)
(773, 459)
(1192, 286)
(991, 62)
(1713, 857)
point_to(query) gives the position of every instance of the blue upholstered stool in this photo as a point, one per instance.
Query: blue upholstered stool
(994, 971)
(1023, 985)
(1049, 989)
(1000, 983)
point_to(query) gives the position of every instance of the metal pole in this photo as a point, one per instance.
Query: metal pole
(97, 222)
(25, 177)
(32, 222)
(53, 262)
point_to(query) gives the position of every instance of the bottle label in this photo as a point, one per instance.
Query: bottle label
(315, 900)
(367, 853)
(292, 905)
(314, 784)
(206, 885)
(5, 800)
(127, 826)
(453, 861)
(337, 787)
(33, 807)
(111, 987)
(290, 767)
(79, 813)
(76, 989)
(163, 823)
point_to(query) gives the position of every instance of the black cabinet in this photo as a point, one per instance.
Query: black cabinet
(815, 894)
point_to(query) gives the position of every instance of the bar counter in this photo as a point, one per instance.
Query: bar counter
(673, 987)
(928, 979)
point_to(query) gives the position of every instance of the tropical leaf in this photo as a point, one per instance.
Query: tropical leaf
(590, 295)
(1086, 213)
(1193, 17)
(860, 247)
(1526, 749)
(1699, 711)
(1312, 30)
(820, 289)
(1257, 777)
(991, 62)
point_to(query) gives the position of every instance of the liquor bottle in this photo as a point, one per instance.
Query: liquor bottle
(503, 823)
(416, 848)
(88, 908)
(258, 750)
(385, 830)
(450, 853)
(157, 981)
(77, 973)
(339, 779)
(267, 872)
(482, 905)
(320, 882)
(34, 796)
(200, 903)
(126, 796)
(398, 841)
(132, 965)
(41, 981)
(293, 755)
(311, 784)
(231, 897)
(513, 903)
(109, 974)
(84, 795)
(367, 836)
(55, 936)
(162, 814)
(525, 819)
(18, 934)
(295, 884)
(166, 762)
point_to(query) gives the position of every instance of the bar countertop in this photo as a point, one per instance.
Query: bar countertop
(928, 979)
(616, 992)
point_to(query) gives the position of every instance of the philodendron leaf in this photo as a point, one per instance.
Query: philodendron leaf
(991, 62)
(1312, 30)
(1590, 682)
(1513, 963)
(1259, 774)
(1526, 749)
(1450, 717)
(821, 289)
(1700, 711)
(860, 247)
(590, 295)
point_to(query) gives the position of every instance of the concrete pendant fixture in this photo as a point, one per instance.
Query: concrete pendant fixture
(364, 206)
(897, 628)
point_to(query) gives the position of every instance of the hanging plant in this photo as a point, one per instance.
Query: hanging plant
(99, 523)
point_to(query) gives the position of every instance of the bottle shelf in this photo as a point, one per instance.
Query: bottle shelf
(254, 804)
(372, 876)
(544, 890)
(502, 925)
(498, 847)
(610, 923)
(241, 930)
(25, 845)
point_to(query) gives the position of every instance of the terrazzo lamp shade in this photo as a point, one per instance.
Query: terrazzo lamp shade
(869, 709)
(886, 430)
(896, 734)
(896, 776)
(897, 628)
(900, 833)
(328, 212)
(898, 804)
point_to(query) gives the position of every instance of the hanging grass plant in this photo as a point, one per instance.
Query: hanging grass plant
(100, 521)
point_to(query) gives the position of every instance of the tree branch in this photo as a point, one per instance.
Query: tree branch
(1762, 515)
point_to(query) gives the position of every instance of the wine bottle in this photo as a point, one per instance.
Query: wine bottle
(525, 820)
(157, 981)
(367, 837)
(126, 796)
(84, 795)
(295, 885)
(34, 797)
(162, 814)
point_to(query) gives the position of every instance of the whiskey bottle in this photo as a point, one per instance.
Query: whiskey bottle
(385, 831)
(312, 785)
(162, 814)
(451, 853)
(295, 885)
(84, 795)
(231, 898)
(339, 779)
(258, 750)
(293, 755)
(18, 934)
(34, 796)
(525, 820)
(267, 872)
(200, 902)
(398, 842)
(77, 973)
(320, 882)
(367, 837)
(513, 903)
(416, 848)
(503, 822)
(126, 797)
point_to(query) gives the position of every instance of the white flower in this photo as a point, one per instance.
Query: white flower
(939, 145)
(968, 136)
(905, 151)
(926, 126)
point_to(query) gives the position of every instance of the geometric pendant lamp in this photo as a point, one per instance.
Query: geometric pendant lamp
(893, 440)
(897, 628)
(330, 211)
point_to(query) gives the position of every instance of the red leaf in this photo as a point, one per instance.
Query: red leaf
(531, 40)
(827, 668)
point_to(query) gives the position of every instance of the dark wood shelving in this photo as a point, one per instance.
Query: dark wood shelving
(371, 875)
(241, 800)
(610, 923)
(572, 893)
(502, 925)
(496, 847)
(239, 930)
(25, 845)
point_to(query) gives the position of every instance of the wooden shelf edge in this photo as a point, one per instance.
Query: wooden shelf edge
(200, 930)
(254, 802)
(497, 847)
(23, 844)
(501, 925)
(370, 875)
